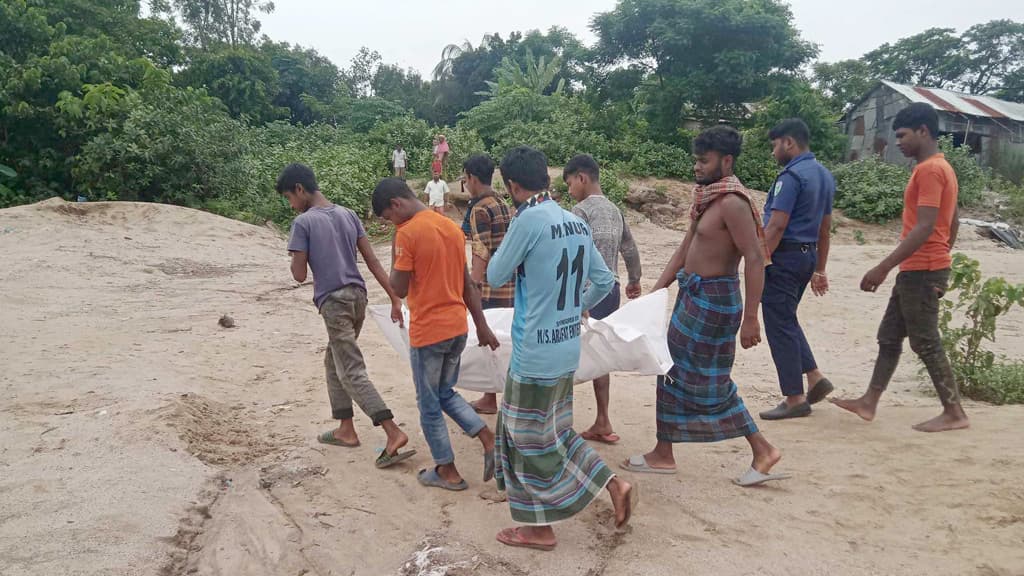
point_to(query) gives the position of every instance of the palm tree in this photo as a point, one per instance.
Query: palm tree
(538, 75)
(448, 56)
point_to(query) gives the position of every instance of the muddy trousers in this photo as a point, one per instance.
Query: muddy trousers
(343, 312)
(913, 313)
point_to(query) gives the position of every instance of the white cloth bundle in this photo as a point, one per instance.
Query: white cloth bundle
(633, 339)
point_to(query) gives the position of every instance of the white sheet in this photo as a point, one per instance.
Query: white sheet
(633, 339)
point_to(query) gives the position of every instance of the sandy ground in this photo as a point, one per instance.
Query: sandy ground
(139, 437)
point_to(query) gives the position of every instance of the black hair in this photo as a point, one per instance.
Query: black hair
(527, 167)
(795, 128)
(722, 139)
(582, 163)
(387, 190)
(481, 166)
(916, 115)
(296, 173)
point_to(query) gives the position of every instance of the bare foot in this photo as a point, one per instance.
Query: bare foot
(537, 537)
(656, 460)
(346, 434)
(486, 404)
(944, 422)
(861, 407)
(621, 493)
(766, 459)
(396, 441)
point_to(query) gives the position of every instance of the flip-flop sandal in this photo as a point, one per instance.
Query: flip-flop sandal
(610, 439)
(489, 466)
(386, 460)
(480, 411)
(431, 479)
(755, 478)
(820, 390)
(637, 463)
(631, 504)
(328, 438)
(512, 537)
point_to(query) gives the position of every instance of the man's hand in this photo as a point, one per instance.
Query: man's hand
(486, 337)
(633, 290)
(819, 284)
(873, 279)
(396, 313)
(750, 333)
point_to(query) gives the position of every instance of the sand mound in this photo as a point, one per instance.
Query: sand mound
(213, 432)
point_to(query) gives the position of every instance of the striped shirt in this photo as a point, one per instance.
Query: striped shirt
(488, 221)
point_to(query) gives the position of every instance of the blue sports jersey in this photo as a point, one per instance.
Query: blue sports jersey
(552, 254)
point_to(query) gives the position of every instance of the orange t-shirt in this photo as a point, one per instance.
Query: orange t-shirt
(932, 184)
(433, 249)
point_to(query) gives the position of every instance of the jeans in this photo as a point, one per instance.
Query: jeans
(784, 284)
(913, 313)
(435, 370)
(343, 312)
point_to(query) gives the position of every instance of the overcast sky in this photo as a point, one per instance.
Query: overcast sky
(412, 33)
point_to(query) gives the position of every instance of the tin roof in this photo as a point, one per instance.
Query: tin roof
(960, 103)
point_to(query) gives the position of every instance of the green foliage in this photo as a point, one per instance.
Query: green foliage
(538, 76)
(970, 176)
(243, 78)
(870, 189)
(843, 82)
(756, 167)
(976, 369)
(212, 22)
(648, 158)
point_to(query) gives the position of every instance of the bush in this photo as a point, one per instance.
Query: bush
(976, 370)
(870, 189)
(970, 176)
(756, 167)
(648, 158)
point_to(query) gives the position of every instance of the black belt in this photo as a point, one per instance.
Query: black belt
(797, 247)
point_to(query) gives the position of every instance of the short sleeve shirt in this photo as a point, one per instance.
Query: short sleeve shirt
(436, 191)
(433, 249)
(398, 158)
(805, 190)
(328, 236)
(933, 184)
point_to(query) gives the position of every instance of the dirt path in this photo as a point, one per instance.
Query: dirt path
(139, 437)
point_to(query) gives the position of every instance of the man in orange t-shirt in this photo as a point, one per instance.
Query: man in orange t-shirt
(930, 223)
(429, 271)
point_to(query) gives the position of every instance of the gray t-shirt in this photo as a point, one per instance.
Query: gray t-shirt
(611, 234)
(328, 236)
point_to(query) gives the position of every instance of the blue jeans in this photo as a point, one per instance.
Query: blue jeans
(784, 284)
(435, 370)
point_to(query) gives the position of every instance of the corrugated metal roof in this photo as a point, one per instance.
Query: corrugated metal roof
(960, 103)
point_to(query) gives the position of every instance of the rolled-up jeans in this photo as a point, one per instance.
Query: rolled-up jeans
(435, 370)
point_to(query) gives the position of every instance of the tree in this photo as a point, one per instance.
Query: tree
(231, 22)
(538, 76)
(932, 58)
(242, 78)
(405, 87)
(361, 71)
(843, 82)
(705, 58)
(303, 75)
(992, 51)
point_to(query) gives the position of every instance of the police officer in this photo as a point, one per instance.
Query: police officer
(798, 218)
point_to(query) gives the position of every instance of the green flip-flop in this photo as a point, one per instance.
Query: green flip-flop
(328, 438)
(386, 460)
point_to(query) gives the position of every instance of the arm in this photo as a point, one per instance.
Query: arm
(775, 229)
(743, 230)
(954, 228)
(299, 266)
(631, 255)
(471, 297)
(518, 241)
(677, 261)
(601, 280)
(926, 217)
(401, 268)
(382, 277)
(819, 281)
(480, 242)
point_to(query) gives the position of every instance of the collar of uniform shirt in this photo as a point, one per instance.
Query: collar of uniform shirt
(533, 201)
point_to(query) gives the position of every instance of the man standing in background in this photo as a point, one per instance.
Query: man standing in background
(436, 191)
(487, 219)
(797, 224)
(398, 161)
(611, 236)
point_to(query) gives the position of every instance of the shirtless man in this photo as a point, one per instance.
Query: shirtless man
(697, 400)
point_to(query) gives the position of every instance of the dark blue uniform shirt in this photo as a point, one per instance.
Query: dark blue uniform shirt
(804, 190)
